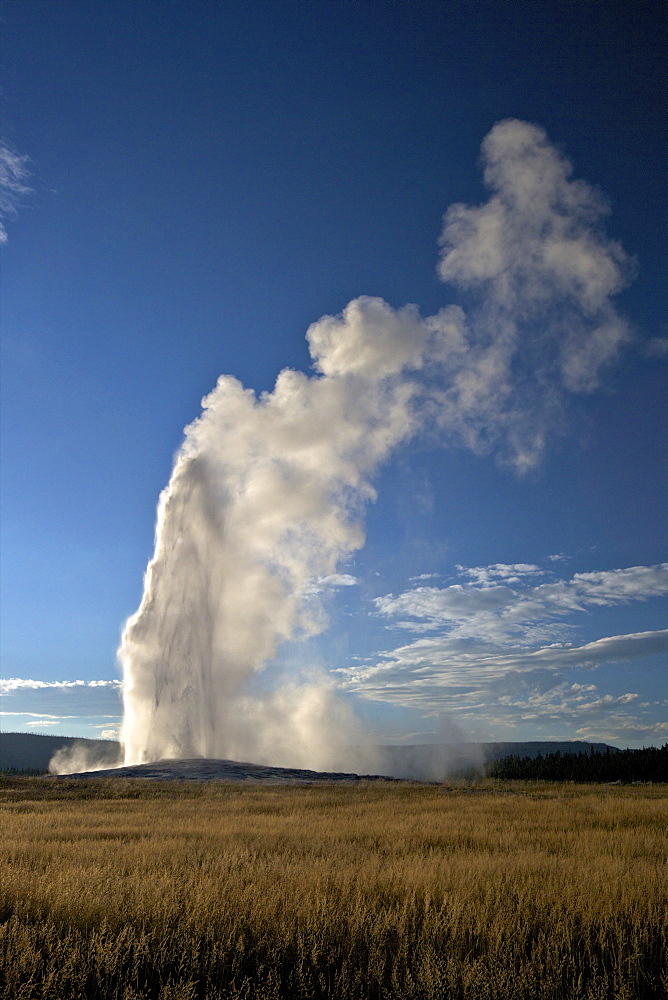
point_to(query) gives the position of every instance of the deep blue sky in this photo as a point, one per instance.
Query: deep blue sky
(210, 178)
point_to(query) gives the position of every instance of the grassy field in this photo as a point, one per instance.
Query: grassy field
(504, 892)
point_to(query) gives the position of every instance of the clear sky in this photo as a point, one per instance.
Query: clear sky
(206, 180)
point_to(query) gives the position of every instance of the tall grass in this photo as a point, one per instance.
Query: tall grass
(131, 891)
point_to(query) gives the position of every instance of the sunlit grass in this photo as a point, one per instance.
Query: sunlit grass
(131, 890)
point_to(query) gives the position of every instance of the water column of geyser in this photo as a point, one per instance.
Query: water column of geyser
(265, 500)
(267, 494)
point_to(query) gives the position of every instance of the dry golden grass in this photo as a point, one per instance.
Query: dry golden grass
(503, 892)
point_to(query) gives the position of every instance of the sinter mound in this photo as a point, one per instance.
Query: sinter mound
(201, 769)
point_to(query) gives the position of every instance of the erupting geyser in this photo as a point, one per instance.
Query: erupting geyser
(264, 500)
(267, 493)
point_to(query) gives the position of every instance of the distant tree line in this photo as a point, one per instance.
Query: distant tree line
(648, 764)
(23, 772)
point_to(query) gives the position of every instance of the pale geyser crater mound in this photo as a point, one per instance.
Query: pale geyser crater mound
(199, 769)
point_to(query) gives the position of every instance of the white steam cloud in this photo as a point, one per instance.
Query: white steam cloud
(542, 274)
(267, 495)
(265, 500)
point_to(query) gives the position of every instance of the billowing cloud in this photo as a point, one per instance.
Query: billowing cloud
(247, 536)
(267, 496)
(369, 338)
(543, 274)
(537, 237)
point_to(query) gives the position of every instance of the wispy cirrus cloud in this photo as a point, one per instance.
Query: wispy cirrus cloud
(500, 649)
(500, 606)
(40, 723)
(657, 347)
(13, 184)
(500, 572)
(338, 580)
(34, 714)
(435, 669)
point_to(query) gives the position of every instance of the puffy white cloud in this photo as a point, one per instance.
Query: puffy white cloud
(368, 338)
(109, 734)
(544, 275)
(538, 236)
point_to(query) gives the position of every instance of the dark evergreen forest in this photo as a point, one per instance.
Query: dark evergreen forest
(648, 764)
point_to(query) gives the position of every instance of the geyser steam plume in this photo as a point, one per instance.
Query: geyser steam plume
(267, 494)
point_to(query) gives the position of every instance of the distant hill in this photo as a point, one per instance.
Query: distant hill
(634, 766)
(201, 769)
(538, 748)
(433, 761)
(32, 751)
